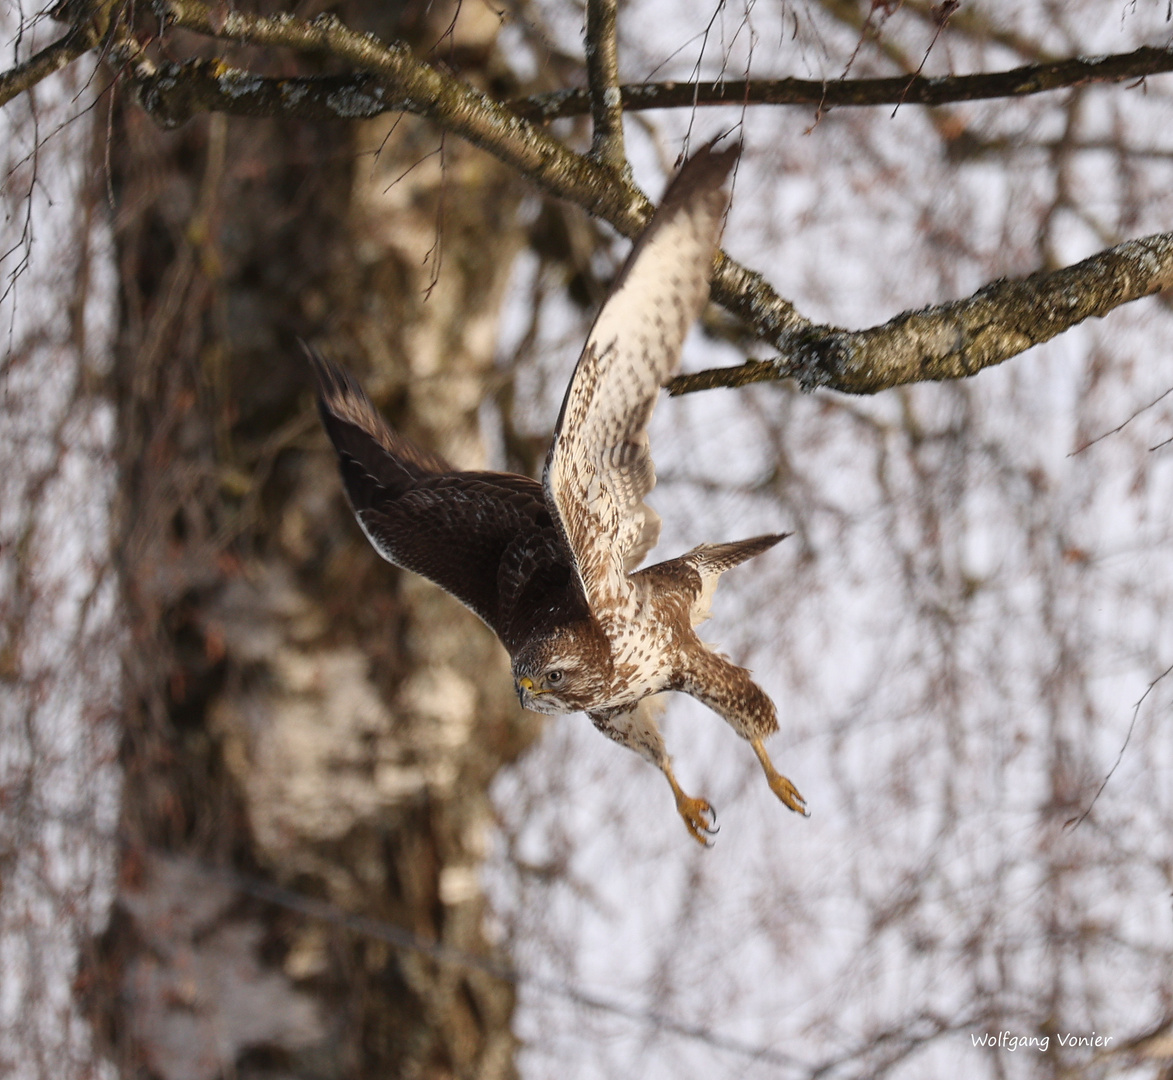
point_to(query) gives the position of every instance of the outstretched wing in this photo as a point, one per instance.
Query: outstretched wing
(486, 538)
(599, 468)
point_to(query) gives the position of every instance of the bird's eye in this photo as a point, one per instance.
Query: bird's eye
(554, 678)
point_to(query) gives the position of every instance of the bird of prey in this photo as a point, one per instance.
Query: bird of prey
(551, 566)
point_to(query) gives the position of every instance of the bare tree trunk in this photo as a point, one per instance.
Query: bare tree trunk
(299, 706)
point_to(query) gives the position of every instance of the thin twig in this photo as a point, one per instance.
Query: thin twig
(1075, 822)
(1123, 424)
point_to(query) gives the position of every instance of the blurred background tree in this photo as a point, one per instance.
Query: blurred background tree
(207, 669)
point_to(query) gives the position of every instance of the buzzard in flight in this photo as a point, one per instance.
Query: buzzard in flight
(551, 566)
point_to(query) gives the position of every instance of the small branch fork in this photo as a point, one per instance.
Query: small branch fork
(955, 340)
(945, 342)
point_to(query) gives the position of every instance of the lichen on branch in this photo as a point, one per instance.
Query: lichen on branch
(958, 339)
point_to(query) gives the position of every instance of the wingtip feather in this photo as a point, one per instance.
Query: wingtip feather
(343, 403)
(334, 383)
(707, 170)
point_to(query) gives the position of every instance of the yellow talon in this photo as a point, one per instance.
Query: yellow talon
(699, 819)
(779, 785)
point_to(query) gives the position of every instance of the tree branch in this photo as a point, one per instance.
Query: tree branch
(906, 89)
(955, 340)
(945, 342)
(416, 87)
(81, 38)
(602, 57)
(174, 92)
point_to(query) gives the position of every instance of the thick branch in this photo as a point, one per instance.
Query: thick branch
(952, 341)
(304, 97)
(911, 90)
(602, 57)
(172, 93)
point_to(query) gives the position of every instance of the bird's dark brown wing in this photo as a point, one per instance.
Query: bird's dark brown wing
(486, 538)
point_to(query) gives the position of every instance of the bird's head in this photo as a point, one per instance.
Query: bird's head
(562, 672)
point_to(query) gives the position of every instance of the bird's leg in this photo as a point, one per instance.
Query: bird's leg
(699, 817)
(637, 729)
(779, 785)
(729, 691)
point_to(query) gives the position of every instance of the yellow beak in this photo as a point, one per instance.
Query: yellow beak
(526, 683)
